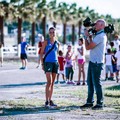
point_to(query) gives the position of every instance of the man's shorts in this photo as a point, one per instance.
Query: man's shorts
(109, 68)
(51, 67)
(23, 56)
(118, 67)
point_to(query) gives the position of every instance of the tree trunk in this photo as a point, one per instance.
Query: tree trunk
(2, 29)
(64, 33)
(44, 27)
(33, 33)
(54, 24)
(73, 34)
(19, 30)
(79, 29)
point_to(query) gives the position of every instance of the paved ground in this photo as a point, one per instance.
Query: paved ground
(16, 83)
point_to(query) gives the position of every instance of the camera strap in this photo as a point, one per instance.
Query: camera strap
(49, 51)
(99, 32)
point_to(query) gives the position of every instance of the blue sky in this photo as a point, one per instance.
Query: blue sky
(104, 7)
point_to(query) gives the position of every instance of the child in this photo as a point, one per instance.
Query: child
(1, 55)
(81, 61)
(61, 61)
(23, 56)
(69, 66)
(108, 62)
(117, 55)
(40, 46)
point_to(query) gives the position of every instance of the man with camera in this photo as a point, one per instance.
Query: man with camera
(96, 44)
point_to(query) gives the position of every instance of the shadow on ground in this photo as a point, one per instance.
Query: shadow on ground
(21, 85)
(33, 110)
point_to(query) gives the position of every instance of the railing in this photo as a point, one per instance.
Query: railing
(31, 50)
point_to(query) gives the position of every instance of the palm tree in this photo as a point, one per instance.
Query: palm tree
(24, 10)
(80, 14)
(117, 25)
(74, 19)
(42, 12)
(53, 15)
(4, 8)
(63, 12)
(18, 14)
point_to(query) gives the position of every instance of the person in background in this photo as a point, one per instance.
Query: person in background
(108, 64)
(50, 64)
(116, 42)
(69, 71)
(114, 65)
(112, 47)
(61, 61)
(1, 54)
(40, 46)
(81, 60)
(97, 45)
(117, 56)
(23, 54)
(107, 47)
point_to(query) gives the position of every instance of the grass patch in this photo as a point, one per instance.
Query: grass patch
(113, 91)
(112, 97)
(67, 100)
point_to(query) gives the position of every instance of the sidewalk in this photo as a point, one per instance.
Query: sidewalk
(30, 84)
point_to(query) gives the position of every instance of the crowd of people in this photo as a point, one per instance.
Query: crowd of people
(112, 59)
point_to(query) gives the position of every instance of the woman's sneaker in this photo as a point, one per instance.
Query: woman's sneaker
(52, 105)
(83, 83)
(78, 83)
(47, 104)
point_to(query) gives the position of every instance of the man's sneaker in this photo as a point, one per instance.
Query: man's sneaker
(52, 105)
(21, 68)
(25, 68)
(46, 104)
(86, 106)
(97, 107)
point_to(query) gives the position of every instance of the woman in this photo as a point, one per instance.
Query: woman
(50, 64)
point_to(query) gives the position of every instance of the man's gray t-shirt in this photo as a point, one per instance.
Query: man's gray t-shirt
(97, 54)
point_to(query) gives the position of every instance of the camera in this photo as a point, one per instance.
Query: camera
(88, 23)
(109, 28)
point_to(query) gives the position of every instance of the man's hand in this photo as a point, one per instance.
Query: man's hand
(86, 33)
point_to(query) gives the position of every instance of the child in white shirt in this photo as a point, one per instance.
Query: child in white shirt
(117, 55)
(108, 63)
(81, 61)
